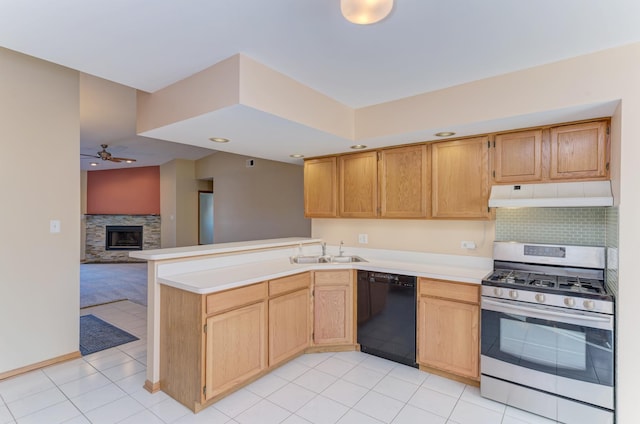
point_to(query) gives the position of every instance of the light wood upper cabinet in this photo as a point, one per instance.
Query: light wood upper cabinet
(404, 182)
(320, 188)
(460, 178)
(358, 185)
(236, 348)
(579, 151)
(333, 310)
(289, 317)
(518, 157)
(448, 327)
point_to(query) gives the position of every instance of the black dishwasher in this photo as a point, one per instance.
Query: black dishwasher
(387, 316)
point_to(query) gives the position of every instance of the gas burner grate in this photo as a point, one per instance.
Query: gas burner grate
(533, 280)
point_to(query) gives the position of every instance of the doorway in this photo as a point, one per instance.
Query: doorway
(205, 217)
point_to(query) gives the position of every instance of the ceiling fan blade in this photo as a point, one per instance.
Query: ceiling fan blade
(112, 159)
(90, 156)
(122, 159)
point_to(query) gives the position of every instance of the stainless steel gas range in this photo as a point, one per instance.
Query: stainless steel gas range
(547, 340)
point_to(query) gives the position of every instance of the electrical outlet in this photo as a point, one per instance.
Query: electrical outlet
(363, 238)
(468, 245)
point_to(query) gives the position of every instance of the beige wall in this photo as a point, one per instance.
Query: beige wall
(83, 211)
(178, 204)
(39, 284)
(254, 203)
(432, 236)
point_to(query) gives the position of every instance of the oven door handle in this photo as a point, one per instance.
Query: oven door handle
(546, 313)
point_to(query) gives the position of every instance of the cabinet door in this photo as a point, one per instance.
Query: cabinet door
(460, 178)
(579, 151)
(333, 308)
(320, 188)
(404, 182)
(359, 185)
(288, 325)
(448, 336)
(517, 157)
(236, 347)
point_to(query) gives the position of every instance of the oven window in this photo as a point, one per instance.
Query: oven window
(544, 345)
(568, 350)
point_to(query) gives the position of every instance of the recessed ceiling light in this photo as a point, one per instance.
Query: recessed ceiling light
(296, 156)
(358, 146)
(219, 139)
(445, 134)
(128, 161)
(93, 164)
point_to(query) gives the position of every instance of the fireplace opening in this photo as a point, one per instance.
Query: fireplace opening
(123, 237)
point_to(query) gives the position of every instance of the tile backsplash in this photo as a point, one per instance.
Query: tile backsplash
(611, 241)
(579, 226)
(597, 226)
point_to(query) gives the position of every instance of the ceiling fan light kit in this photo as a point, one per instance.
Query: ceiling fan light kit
(365, 12)
(104, 155)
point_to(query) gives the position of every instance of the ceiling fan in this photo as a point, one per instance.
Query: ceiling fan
(104, 155)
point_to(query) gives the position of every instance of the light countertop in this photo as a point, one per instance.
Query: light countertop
(214, 249)
(222, 278)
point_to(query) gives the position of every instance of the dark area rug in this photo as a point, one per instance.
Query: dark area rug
(97, 335)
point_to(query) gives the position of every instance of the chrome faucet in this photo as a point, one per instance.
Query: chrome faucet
(340, 251)
(324, 249)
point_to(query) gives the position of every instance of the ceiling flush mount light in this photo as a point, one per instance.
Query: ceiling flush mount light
(445, 134)
(364, 12)
(219, 139)
(296, 156)
(358, 146)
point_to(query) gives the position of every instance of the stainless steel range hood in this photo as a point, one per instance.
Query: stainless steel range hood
(559, 195)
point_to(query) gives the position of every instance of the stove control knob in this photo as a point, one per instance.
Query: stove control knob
(570, 302)
(497, 291)
(589, 304)
(540, 298)
(513, 294)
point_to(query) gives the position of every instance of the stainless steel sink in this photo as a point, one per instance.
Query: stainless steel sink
(325, 259)
(309, 259)
(346, 259)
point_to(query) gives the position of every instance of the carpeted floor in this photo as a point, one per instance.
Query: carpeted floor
(104, 283)
(97, 335)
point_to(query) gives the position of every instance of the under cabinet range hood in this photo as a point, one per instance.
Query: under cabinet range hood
(558, 195)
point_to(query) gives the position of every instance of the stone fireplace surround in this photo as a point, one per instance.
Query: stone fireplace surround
(95, 225)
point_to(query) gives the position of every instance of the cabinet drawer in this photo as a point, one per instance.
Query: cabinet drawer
(331, 277)
(290, 283)
(450, 290)
(230, 299)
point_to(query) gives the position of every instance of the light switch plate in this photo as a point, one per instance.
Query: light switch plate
(363, 238)
(54, 226)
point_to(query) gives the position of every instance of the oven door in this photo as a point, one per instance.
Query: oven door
(556, 350)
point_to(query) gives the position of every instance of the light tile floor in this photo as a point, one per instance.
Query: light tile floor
(321, 388)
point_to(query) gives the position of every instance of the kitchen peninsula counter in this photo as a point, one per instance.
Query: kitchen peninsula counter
(213, 268)
(227, 277)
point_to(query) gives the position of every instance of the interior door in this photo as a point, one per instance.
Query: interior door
(205, 217)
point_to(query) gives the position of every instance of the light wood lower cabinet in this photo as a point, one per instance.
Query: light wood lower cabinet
(448, 327)
(236, 348)
(289, 317)
(333, 308)
(210, 345)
